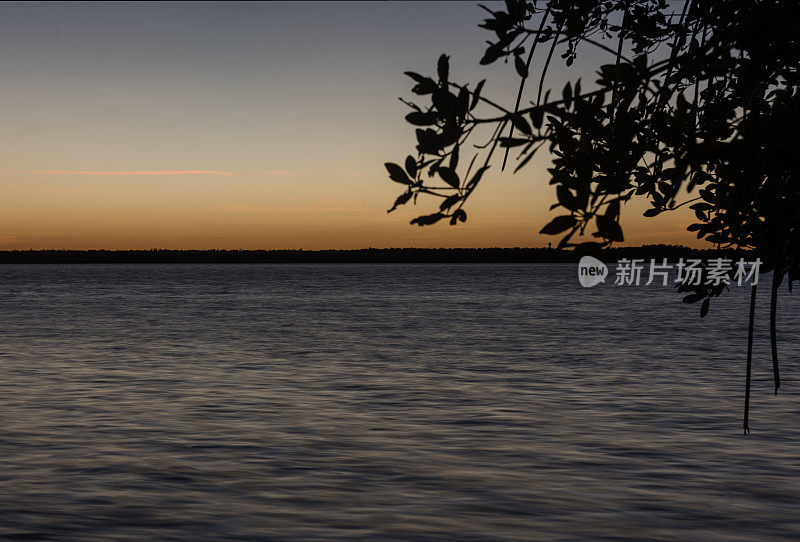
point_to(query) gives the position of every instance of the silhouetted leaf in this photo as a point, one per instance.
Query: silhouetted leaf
(417, 77)
(476, 94)
(449, 176)
(401, 199)
(516, 8)
(425, 85)
(512, 141)
(537, 116)
(609, 228)
(707, 195)
(529, 154)
(411, 167)
(418, 118)
(429, 142)
(477, 177)
(521, 124)
(559, 224)
(621, 73)
(444, 101)
(492, 53)
(612, 210)
(566, 198)
(717, 239)
(693, 298)
(449, 201)
(397, 174)
(443, 69)
(427, 220)
(458, 216)
(520, 66)
(462, 103)
(454, 158)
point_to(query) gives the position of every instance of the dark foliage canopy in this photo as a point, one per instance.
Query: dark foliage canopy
(698, 105)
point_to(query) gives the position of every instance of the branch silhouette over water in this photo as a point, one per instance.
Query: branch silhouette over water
(698, 105)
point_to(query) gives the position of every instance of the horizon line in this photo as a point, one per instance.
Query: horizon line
(543, 247)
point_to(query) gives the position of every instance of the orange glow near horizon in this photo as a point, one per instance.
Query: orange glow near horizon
(258, 211)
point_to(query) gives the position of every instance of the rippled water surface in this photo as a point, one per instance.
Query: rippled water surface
(386, 402)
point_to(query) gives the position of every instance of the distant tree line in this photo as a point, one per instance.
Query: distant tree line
(367, 255)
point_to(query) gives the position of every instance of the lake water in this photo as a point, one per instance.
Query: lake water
(387, 402)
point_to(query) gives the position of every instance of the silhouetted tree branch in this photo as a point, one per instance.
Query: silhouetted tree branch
(695, 107)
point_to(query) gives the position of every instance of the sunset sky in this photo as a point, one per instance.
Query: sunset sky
(209, 125)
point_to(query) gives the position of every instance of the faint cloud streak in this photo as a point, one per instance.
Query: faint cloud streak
(154, 172)
(247, 208)
(157, 172)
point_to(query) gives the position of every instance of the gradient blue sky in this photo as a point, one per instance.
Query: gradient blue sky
(210, 125)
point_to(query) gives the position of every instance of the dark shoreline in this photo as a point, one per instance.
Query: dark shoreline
(369, 255)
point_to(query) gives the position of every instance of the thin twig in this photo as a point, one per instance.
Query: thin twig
(522, 82)
(777, 278)
(547, 63)
(746, 424)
